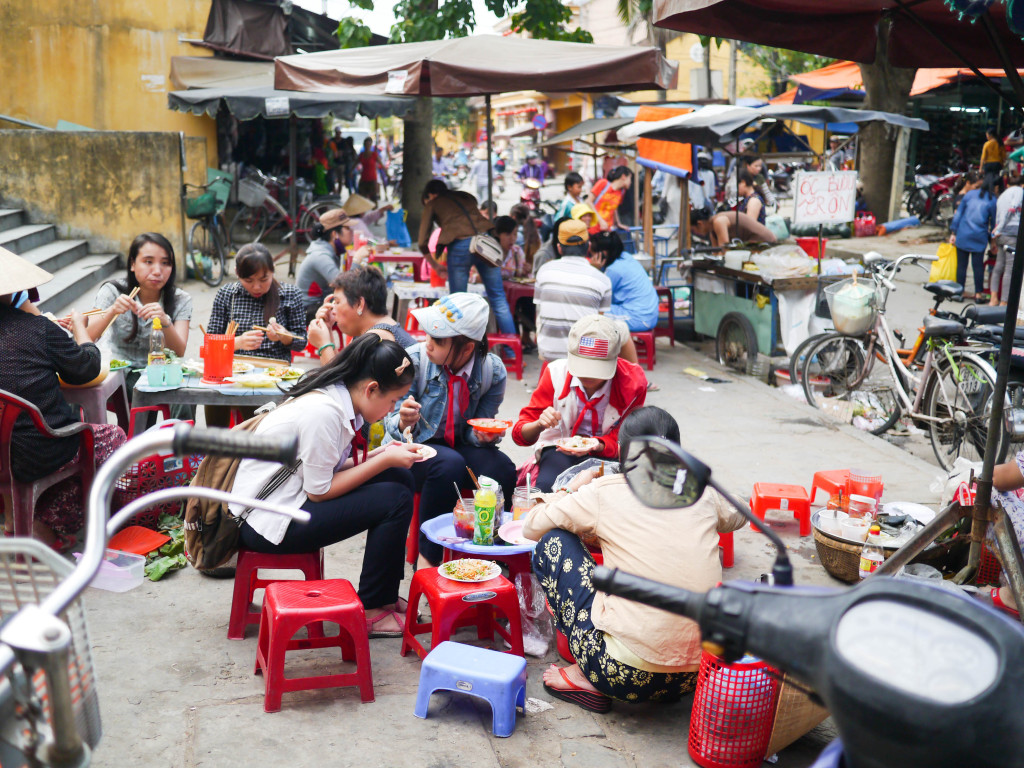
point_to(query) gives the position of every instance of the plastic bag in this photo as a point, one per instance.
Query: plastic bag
(538, 630)
(610, 468)
(396, 230)
(945, 267)
(948, 485)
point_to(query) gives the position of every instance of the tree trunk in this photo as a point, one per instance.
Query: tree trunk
(417, 154)
(887, 89)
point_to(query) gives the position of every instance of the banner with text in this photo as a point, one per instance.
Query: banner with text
(826, 197)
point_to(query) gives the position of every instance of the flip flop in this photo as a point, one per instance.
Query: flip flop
(381, 633)
(998, 603)
(588, 700)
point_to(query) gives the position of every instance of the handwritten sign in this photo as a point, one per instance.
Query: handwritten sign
(827, 197)
(277, 106)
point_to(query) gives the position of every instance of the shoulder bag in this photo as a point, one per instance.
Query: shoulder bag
(483, 244)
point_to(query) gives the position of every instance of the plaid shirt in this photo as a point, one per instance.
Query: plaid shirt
(233, 302)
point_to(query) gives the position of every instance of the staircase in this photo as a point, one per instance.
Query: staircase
(76, 272)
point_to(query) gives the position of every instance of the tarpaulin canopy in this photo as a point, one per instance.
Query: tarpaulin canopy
(843, 78)
(721, 123)
(587, 128)
(923, 34)
(479, 65)
(246, 89)
(669, 156)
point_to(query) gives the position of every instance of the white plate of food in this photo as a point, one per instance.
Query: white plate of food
(425, 452)
(578, 443)
(285, 373)
(239, 367)
(254, 381)
(469, 570)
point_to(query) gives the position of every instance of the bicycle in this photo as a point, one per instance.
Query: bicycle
(948, 390)
(49, 704)
(208, 243)
(261, 214)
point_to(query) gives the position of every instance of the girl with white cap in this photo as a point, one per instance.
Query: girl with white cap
(34, 351)
(457, 379)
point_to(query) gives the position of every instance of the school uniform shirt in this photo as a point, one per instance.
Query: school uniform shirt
(566, 290)
(624, 392)
(233, 302)
(325, 423)
(677, 547)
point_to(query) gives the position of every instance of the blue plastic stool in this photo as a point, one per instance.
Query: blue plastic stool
(500, 678)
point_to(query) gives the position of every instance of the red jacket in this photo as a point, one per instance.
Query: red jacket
(628, 392)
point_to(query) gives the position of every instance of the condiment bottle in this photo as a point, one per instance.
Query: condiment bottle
(872, 555)
(156, 344)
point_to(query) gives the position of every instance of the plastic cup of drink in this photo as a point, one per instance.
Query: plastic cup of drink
(464, 518)
(830, 521)
(520, 505)
(218, 353)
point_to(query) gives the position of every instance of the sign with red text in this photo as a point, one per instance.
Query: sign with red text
(826, 197)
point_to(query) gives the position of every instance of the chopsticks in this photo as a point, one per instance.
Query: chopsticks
(94, 312)
(232, 327)
(294, 337)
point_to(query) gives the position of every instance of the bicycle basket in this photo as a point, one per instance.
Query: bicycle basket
(29, 572)
(854, 306)
(252, 193)
(203, 205)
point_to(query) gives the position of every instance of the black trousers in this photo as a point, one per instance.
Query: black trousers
(552, 463)
(382, 507)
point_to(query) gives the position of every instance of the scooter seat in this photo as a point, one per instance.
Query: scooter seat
(947, 289)
(984, 315)
(935, 327)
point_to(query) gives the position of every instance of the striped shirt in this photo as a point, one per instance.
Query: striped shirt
(567, 289)
(233, 302)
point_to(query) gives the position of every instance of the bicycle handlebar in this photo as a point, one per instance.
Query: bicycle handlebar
(240, 445)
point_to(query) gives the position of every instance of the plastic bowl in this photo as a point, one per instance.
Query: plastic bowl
(854, 528)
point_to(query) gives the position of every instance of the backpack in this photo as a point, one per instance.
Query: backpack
(211, 531)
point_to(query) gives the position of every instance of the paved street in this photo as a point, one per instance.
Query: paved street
(175, 692)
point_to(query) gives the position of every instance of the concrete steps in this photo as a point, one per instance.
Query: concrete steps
(75, 272)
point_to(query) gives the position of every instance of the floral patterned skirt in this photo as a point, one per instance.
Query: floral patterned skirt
(564, 565)
(62, 506)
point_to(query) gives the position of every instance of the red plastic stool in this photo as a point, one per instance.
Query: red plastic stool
(725, 544)
(768, 496)
(449, 599)
(164, 411)
(515, 344)
(645, 351)
(247, 581)
(668, 331)
(412, 541)
(291, 605)
(830, 481)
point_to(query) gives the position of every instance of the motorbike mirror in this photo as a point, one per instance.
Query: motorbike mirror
(663, 475)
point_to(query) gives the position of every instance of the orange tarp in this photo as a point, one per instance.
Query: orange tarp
(664, 152)
(846, 74)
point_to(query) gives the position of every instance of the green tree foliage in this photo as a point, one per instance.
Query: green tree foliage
(453, 113)
(780, 64)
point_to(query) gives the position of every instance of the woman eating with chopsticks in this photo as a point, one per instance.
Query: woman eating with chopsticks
(127, 307)
(267, 318)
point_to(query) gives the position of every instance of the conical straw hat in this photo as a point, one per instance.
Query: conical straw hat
(17, 274)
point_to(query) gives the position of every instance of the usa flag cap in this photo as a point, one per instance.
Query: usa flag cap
(594, 344)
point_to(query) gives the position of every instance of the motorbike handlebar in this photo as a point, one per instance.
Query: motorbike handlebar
(240, 445)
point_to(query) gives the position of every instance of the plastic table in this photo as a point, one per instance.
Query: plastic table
(96, 400)
(441, 530)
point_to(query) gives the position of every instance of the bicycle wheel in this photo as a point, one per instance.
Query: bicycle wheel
(800, 354)
(959, 400)
(205, 254)
(248, 226)
(736, 343)
(311, 216)
(833, 379)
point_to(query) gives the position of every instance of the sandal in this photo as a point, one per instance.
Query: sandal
(652, 387)
(588, 700)
(381, 633)
(998, 603)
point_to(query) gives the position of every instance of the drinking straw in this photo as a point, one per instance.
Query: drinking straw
(201, 328)
(458, 491)
(527, 487)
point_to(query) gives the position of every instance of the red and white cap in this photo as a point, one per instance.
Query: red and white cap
(594, 345)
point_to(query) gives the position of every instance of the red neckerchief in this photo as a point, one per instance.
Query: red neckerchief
(358, 441)
(588, 405)
(449, 424)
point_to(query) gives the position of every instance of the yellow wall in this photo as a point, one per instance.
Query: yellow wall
(750, 78)
(102, 64)
(106, 186)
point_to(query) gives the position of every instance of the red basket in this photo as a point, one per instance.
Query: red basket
(989, 569)
(733, 713)
(151, 474)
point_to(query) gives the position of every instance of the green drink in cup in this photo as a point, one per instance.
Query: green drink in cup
(484, 502)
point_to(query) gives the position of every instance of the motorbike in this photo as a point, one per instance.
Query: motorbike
(933, 196)
(912, 675)
(781, 179)
(530, 195)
